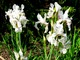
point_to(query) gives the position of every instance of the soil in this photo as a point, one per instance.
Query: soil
(4, 55)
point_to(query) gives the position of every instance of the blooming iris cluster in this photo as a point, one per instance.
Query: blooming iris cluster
(17, 17)
(56, 35)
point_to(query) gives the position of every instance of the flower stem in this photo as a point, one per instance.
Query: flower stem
(12, 40)
(50, 54)
(17, 41)
(45, 52)
(20, 39)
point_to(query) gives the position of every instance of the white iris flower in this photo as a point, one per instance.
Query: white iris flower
(19, 56)
(57, 6)
(17, 17)
(51, 11)
(51, 39)
(63, 51)
(64, 17)
(58, 28)
(41, 21)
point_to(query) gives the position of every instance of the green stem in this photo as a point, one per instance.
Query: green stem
(20, 39)
(17, 41)
(51, 50)
(52, 26)
(45, 52)
(12, 37)
(57, 55)
(57, 58)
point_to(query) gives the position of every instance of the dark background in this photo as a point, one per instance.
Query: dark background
(31, 10)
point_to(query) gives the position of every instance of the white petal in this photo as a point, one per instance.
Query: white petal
(67, 45)
(51, 11)
(58, 28)
(57, 6)
(50, 14)
(63, 51)
(40, 17)
(63, 39)
(44, 16)
(46, 29)
(22, 6)
(69, 24)
(13, 22)
(51, 39)
(15, 7)
(17, 25)
(55, 42)
(60, 15)
(8, 13)
(21, 53)
(16, 55)
(65, 16)
(23, 20)
(51, 7)
(36, 23)
(25, 58)
(18, 30)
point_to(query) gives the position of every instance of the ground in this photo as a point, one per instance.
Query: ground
(4, 53)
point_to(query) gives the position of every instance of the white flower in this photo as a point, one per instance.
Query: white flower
(17, 17)
(20, 55)
(65, 43)
(63, 39)
(60, 14)
(51, 6)
(16, 11)
(64, 17)
(69, 24)
(58, 28)
(22, 7)
(17, 25)
(42, 21)
(23, 20)
(8, 13)
(64, 51)
(16, 55)
(46, 28)
(51, 39)
(57, 6)
(51, 11)
(18, 29)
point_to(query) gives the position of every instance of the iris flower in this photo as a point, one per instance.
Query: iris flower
(19, 56)
(64, 18)
(58, 28)
(17, 17)
(42, 21)
(51, 11)
(51, 39)
(57, 6)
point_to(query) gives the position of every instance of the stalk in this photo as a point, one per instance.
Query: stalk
(51, 50)
(45, 52)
